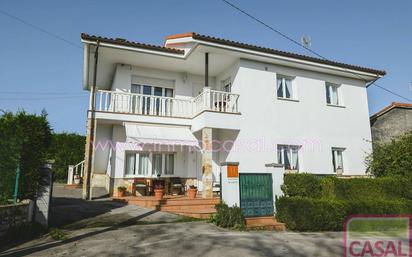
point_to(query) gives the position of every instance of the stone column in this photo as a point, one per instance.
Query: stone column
(207, 175)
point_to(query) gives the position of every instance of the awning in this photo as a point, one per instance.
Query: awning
(163, 135)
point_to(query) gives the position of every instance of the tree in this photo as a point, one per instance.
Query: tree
(24, 140)
(392, 159)
(66, 149)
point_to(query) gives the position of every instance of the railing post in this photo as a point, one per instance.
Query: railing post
(206, 98)
(70, 175)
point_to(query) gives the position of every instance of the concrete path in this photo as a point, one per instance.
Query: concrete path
(182, 239)
(106, 228)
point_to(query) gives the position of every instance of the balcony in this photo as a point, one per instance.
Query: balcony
(189, 107)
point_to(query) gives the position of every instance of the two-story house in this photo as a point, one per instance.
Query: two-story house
(182, 109)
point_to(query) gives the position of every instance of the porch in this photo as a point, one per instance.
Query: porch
(200, 208)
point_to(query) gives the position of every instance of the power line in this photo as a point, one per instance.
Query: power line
(40, 29)
(41, 98)
(37, 93)
(299, 44)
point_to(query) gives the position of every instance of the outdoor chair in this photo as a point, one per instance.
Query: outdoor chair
(176, 185)
(140, 185)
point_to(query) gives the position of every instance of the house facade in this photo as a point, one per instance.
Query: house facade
(391, 122)
(183, 109)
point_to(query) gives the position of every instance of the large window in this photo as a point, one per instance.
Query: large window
(150, 90)
(337, 159)
(285, 87)
(332, 94)
(288, 155)
(149, 164)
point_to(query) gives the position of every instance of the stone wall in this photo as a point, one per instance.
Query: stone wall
(15, 214)
(391, 125)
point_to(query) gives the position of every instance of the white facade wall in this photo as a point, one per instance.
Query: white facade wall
(309, 121)
(265, 120)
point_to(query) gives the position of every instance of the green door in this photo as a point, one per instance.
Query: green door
(256, 195)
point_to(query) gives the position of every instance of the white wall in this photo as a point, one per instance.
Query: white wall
(308, 122)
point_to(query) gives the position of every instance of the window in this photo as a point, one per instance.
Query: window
(288, 156)
(226, 85)
(143, 164)
(149, 164)
(337, 159)
(130, 164)
(157, 164)
(169, 164)
(285, 87)
(332, 94)
(149, 90)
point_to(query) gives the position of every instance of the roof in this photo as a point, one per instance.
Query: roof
(393, 105)
(197, 36)
(221, 41)
(124, 42)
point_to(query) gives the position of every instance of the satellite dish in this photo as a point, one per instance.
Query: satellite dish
(306, 41)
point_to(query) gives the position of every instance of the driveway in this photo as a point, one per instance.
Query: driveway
(113, 229)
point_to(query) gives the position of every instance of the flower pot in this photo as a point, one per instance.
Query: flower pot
(120, 193)
(191, 193)
(77, 181)
(158, 194)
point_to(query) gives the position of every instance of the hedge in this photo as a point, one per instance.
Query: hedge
(303, 184)
(309, 214)
(313, 186)
(25, 139)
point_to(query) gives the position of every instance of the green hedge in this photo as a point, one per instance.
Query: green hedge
(308, 214)
(228, 217)
(303, 184)
(313, 186)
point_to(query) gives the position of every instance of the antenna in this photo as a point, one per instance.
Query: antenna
(306, 41)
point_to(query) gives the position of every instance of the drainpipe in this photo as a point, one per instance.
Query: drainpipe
(206, 69)
(91, 128)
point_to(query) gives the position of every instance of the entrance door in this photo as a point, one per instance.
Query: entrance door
(256, 195)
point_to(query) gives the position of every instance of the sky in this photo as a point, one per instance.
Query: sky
(39, 71)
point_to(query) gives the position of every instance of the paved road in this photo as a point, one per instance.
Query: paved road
(106, 228)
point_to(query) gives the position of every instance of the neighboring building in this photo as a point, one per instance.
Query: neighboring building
(391, 122)
(155, 106)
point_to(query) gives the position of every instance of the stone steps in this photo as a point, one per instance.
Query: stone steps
(264, 223)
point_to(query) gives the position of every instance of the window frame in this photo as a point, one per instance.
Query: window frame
(282, 149)
(150, 167)
(341, 150)
(329, 86)
(293, 93)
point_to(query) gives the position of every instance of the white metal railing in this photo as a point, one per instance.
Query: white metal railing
(74, 170)
(120, 102)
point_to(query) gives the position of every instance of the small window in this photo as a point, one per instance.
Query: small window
(169, 164)
(226, 85)
(157, 164)
(337, 159)
(143, 164)
(288, 155)
(285, 87)
(130, 164)
(332, 94)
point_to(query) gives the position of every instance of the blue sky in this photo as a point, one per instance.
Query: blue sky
(39, 71)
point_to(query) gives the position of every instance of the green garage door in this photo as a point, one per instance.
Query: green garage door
(256, 195)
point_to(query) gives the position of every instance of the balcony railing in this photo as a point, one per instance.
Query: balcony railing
(211, 100)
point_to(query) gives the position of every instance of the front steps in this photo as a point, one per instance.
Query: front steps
(265, 223)
(200, 208)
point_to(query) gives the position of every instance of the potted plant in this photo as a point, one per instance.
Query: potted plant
(76, 179)
(158, 190)
(121, 191)
(192, 191)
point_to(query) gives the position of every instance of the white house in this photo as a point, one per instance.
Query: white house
(182, 109)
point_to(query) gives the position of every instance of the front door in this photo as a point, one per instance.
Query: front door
(256, 195)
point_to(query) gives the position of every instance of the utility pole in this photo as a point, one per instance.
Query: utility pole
(90, 135)
(16, 185)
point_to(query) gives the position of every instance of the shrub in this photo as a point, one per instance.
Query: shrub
(65, 149)
(57, 234)
(228, 217)
(303, 184)
(366, 188)
(25, 139)
(392, 159)
(308, 214)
